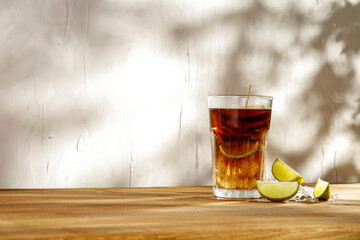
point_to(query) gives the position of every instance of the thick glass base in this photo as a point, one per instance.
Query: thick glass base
(241, 194)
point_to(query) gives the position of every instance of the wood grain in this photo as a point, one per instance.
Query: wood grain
(172, 213)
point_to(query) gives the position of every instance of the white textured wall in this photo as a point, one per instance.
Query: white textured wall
(114, 93)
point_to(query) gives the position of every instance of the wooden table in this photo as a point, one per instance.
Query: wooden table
(172, 212)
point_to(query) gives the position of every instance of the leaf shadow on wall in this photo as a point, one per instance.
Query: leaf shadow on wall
(326, 96)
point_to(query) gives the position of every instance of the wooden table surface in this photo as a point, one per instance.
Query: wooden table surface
(172, 212)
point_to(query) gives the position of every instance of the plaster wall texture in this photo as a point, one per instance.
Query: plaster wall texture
(114, 93)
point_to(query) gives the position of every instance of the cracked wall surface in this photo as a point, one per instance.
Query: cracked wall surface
(114, 93)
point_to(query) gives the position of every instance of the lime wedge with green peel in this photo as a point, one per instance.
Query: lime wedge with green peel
(238, 150)
(322, 190)
(284, 173)
(277, 191)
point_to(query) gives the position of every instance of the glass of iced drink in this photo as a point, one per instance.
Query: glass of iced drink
(238, 125)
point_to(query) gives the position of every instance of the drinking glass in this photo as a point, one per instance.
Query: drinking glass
(239, 126)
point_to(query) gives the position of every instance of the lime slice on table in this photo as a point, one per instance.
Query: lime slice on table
(238, 150)
(284, 173)
(322, 190)
(277, 191)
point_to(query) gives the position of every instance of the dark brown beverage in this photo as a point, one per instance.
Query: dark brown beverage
(239, 143)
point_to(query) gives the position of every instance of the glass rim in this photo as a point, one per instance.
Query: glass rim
(240, 96)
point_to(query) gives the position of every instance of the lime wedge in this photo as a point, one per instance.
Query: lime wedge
(322, 190)
(238, 150)
(277, 191)
(284, 173)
